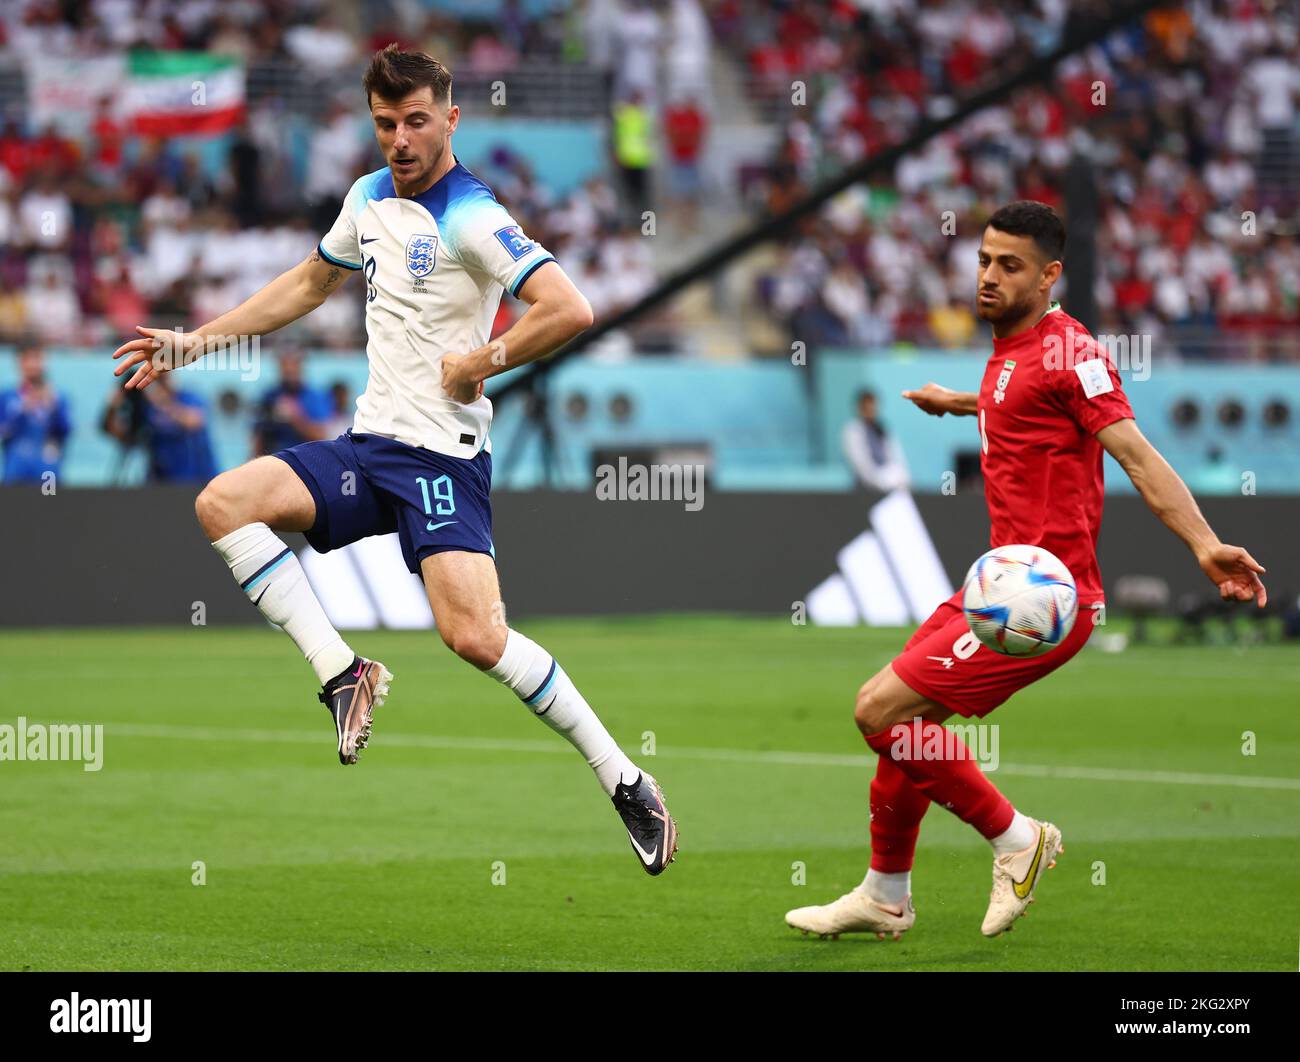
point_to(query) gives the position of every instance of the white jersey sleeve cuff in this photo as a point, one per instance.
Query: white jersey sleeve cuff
(336, 261)
(528, 270)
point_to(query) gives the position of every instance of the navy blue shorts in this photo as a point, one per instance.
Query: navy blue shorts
(368, 485)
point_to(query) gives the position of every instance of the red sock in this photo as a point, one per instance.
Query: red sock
(897, 808)
(952, 779)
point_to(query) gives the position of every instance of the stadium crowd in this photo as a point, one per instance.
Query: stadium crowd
(102, 232)
(1193, 138)
(1189, 119)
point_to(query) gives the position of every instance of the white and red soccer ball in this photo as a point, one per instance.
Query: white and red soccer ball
(1020, 600)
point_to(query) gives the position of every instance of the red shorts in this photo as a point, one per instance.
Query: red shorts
(945, 662)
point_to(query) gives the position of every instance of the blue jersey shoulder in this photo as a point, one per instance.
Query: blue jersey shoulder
(455, 188)
(455, 191)
(376, 185)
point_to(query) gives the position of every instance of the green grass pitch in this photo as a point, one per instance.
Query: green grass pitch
(217, 751)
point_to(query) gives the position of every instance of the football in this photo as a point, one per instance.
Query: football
(1020, 600)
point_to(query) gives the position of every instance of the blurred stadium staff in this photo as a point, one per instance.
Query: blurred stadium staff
(634, 149)
(34, 424)
(873, 454)
(170, 425)
(291, 412)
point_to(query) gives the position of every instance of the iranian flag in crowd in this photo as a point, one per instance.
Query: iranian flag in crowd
(182, 93)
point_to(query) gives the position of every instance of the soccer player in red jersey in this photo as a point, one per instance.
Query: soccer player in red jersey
(1049, 404)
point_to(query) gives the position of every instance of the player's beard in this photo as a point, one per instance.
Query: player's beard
(1005, 311)
(420, 176)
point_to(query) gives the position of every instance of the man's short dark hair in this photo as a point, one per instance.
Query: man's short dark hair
(1038, 221)
(866, 393)
(394, 74)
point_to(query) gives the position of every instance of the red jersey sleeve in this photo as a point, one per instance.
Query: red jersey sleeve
(1091, 391)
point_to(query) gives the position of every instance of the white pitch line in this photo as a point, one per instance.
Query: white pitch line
(1109, 774)
(303, 737)
(774, 758)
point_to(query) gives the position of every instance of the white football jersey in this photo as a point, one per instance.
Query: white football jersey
(434, 267)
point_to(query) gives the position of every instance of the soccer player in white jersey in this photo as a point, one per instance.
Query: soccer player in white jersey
(435, 250)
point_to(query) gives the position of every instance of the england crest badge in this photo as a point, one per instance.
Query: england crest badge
(421, 254)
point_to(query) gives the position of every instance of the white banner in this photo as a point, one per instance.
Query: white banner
(66, 92)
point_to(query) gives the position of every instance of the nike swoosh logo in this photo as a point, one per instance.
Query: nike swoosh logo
(431, 526)
(258, 600)
(647, 858)
(1022, 887)
(368, 239)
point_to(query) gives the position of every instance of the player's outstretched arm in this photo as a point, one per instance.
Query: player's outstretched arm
(291, 295)
(557, 312)
(1234, 571)
(937, 400)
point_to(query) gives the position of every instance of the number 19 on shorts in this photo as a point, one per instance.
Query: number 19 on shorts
(439, 497)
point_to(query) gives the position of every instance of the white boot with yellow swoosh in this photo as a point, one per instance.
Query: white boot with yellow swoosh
(1014, 877)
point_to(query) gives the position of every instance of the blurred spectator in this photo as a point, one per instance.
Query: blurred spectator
(953, 324)
(169, 424)
(15, 151)
(844, 295)
(1274, 82)
(638, 35)
(873, 454)
(332, 161)
(34, 423)
(1228, 176)
(107, 139)
(584, 269)
(228, 38)
(165, 207)
(634, 152)
(50, 152)
(600, 32)
(291, 412)
(246, 177)
(169, 250)
(45, 215)
(687, 54)
(684, 129)
(54, 311)
(626, 260)
(321, 44)
(342, 410)
(118, 299)
(143, 173)
(195, 185)
(489, 54)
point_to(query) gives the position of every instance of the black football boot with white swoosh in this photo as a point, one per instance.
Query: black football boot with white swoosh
(351, 697)
(650, 828)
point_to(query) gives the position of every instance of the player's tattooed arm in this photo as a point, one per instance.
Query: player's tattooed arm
(292, 294)
(1234, 571)
(325, 275)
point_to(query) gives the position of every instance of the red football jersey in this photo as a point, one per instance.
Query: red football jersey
(1046, 392)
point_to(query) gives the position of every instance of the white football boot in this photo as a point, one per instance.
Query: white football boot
(854, 912)
(1014, 877)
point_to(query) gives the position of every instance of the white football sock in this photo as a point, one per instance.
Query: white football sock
(542, 685)
(893, 889)
(1022, 832)
(269, 573)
